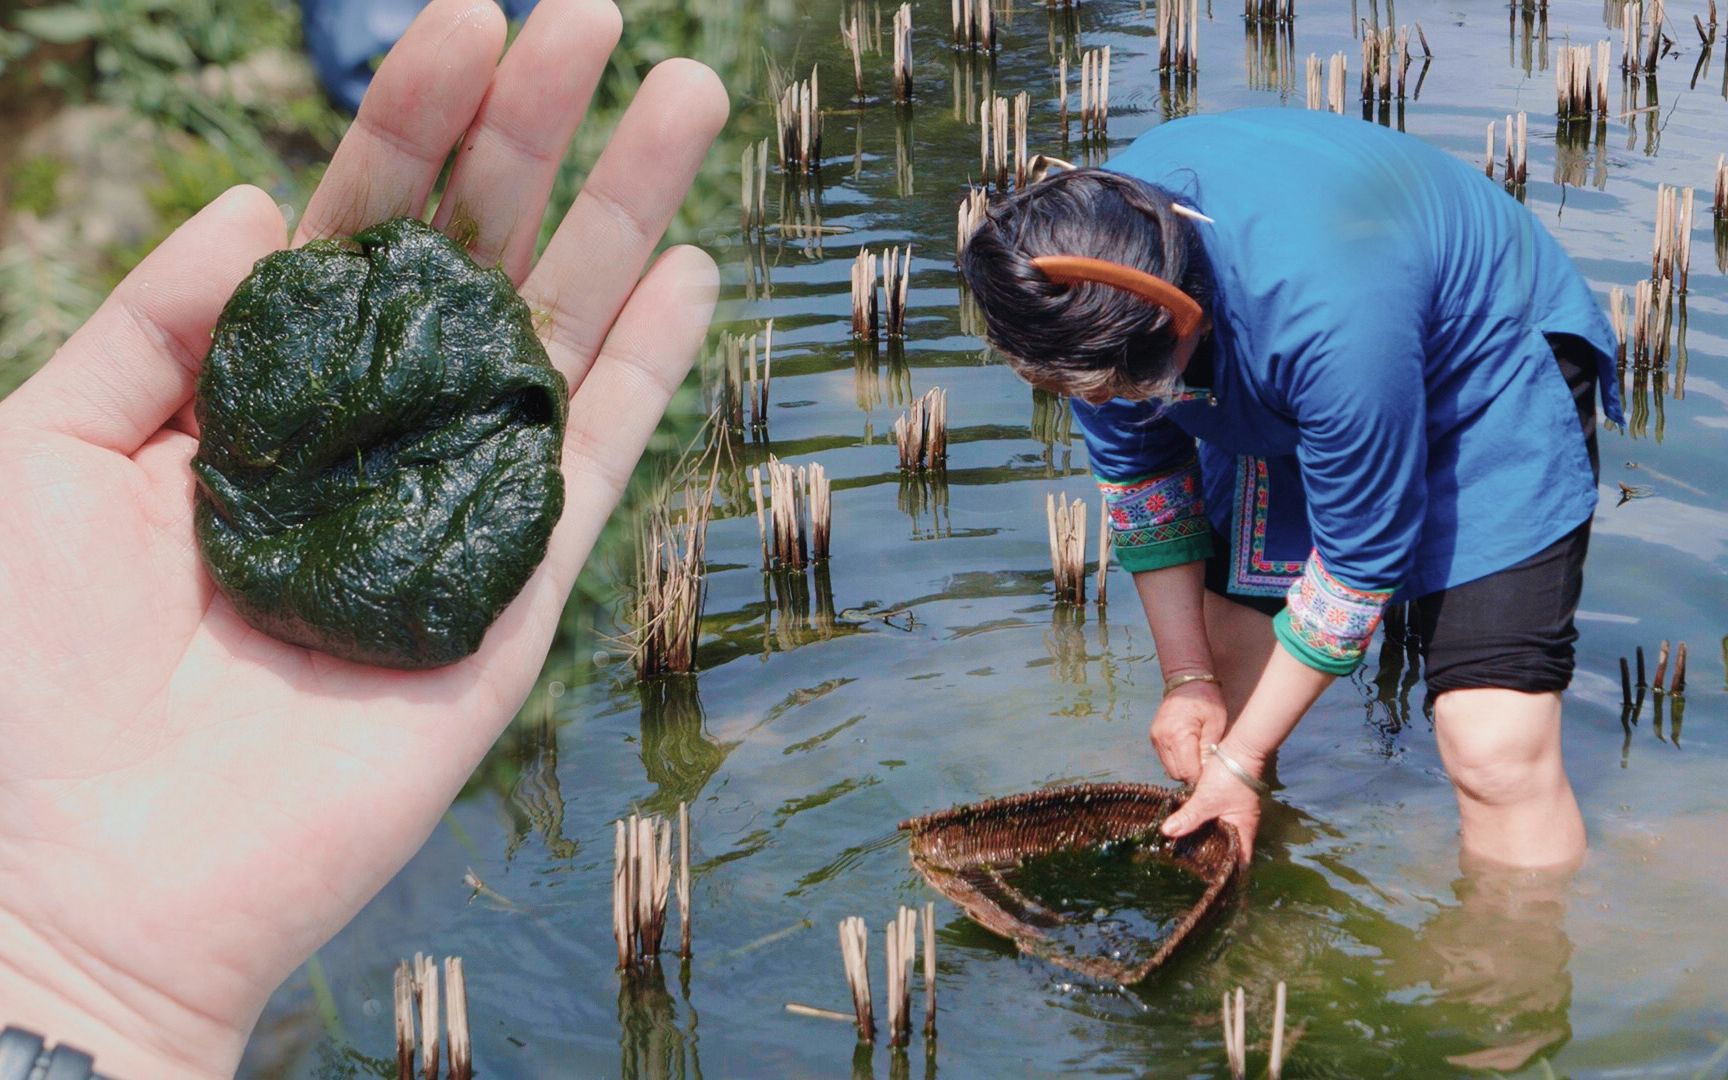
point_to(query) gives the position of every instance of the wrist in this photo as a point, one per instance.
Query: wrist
(1178, 668)
(46, 991)
(1246, 754)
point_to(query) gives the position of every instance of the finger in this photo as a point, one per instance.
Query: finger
(1246, 831)
(618, 406)
(592, 262)
(420, 102)
(504, 169)
(1184, 753)
(1165, 747)
(125, 372)
(1190, 816)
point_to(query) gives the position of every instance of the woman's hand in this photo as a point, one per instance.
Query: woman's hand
(1192, 716)
(188, 808)
(1221, 795)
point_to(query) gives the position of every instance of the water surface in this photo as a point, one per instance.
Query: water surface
(812, 730)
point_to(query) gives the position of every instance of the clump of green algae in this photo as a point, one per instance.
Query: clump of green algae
(380, 437)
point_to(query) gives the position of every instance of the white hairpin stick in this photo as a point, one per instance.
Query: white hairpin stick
(1190, 212)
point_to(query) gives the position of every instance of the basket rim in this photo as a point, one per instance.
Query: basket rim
(944, 874)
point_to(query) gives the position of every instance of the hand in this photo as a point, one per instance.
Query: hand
(1192, 716)
(189, 808)
(1221, 795)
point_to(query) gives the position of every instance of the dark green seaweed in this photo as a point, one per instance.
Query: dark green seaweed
(380, 435)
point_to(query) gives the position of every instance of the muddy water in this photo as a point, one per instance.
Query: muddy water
(940, 672)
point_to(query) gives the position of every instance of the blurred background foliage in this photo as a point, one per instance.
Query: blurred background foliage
(119, 119)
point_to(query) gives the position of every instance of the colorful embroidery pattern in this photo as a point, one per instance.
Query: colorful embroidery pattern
(1157, 509)
(1251, 573)
(1330, 616)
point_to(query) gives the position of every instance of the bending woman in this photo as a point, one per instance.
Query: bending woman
(1320, 367)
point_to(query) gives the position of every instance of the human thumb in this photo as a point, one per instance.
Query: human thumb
(1184, 821)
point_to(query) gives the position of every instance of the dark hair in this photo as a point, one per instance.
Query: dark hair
(1083, 338)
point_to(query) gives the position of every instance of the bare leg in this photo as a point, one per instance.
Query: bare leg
(1241, 640)
(1502, 751)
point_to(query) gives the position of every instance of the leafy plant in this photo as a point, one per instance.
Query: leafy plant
(43, 298)
(35, 184)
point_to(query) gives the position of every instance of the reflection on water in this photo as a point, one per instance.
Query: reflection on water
(925, 666)
(924, 499)
(652, 1042)
(537, 800)
(1119, 903)
(1497, 964)
(1527, 39)
(1581, 153)
(1397, 674)
(678, 754)
(1065, 642)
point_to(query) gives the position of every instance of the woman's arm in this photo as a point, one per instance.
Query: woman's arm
(1192, 714)
(1284, 693)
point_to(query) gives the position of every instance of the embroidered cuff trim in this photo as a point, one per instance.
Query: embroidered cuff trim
(1158, 521)
(1326, 623)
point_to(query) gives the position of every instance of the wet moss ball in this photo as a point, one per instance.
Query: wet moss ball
(380, 436)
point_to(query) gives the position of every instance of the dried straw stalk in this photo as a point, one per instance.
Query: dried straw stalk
(456, 1019)
(641, 878)
(864, 304)
(1517, 150)
(759, 387)
(667, 611)
(1617, 316)
(1337, 75)
(799, 117)
(971, 214)
(921, 433)
(404, 989)
(1275, 1067)
(1104, 540)
(796, 522)
(854, 954)
(974, 24)
(900, 948)
(1067, 522)
(930, 976)
(1269, 11)
(753, 189)
(426, 993)
(1179, 36)
(684, 880)
(1094, 92)
(849, 36)
(896, 280)
(903, 54)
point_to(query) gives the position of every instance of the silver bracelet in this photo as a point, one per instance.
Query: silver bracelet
(1259, 786)
(1172, 684)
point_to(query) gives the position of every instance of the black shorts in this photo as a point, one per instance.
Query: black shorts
(1513, 629)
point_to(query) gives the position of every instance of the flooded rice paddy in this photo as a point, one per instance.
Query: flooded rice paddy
(926, 665)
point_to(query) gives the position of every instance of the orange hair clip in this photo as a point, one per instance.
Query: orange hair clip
(1185, 314)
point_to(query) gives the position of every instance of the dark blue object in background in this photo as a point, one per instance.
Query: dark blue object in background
(345, 36)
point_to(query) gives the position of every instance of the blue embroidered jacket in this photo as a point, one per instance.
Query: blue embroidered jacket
(1384, 415)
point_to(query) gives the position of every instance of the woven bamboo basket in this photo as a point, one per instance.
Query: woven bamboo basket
(962, 852)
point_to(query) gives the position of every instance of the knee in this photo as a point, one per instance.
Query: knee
(1502, 756)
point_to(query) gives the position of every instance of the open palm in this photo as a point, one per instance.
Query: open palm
(188, 807)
